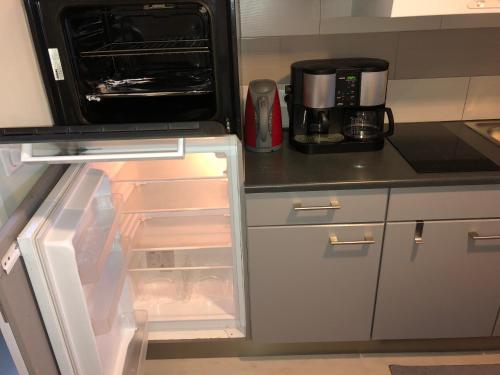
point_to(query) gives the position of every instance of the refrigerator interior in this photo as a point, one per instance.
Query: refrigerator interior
(156, 254)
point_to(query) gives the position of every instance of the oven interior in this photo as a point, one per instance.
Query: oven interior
(142, 63)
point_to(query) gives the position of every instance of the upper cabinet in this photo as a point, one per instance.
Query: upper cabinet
(412, 8)
(265, 18)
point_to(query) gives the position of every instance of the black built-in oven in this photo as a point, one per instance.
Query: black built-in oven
(132, 68)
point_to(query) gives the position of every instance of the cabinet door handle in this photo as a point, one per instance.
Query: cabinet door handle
(334, 205)
(477, 237)
(368, 240)
(419, 232)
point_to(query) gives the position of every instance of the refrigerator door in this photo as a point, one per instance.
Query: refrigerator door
(77, 265)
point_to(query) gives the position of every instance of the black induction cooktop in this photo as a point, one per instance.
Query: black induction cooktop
(435, 149)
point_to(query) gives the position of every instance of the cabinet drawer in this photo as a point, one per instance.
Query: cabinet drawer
(454, 202)
(303, 289)
(316, 207)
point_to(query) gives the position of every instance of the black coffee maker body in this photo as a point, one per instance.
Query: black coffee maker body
(338, 105)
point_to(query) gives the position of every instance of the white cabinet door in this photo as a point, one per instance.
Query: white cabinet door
(447, 286)
(313, 283)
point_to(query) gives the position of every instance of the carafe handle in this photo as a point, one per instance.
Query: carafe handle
(390, 116)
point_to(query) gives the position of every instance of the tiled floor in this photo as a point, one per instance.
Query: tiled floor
(366, 364)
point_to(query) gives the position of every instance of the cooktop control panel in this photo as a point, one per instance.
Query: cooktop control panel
(347, 88)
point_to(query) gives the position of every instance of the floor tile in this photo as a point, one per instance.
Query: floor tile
(365, 364)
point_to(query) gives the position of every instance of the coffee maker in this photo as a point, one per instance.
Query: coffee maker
(338, 105)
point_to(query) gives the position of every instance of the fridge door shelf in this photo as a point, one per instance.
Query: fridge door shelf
(192, 167)
(183, 233)
(137, 348)
(103, 297)
(185, 295)
(93, 241)
(178, 196)
(123, 349)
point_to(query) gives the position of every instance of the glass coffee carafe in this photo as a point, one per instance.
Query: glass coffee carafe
(367, 124)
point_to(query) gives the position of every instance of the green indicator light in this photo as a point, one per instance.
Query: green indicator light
(351, 78)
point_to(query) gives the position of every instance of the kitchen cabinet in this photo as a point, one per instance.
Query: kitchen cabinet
(412, 8)
(317, 207)
(440, 203)
(444, 287)
(437, 272)
(313, 283)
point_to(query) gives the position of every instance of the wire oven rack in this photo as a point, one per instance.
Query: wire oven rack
(170, 46)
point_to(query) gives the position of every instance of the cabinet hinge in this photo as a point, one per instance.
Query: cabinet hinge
(10, 258)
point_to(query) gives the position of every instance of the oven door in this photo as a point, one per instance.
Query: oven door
(133, 66)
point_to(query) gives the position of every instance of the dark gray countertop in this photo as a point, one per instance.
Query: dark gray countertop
(290, 170)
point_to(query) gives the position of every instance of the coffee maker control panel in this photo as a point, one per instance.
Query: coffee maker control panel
(347, 88)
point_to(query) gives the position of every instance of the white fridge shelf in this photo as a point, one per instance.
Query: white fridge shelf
(193, 166)
(172, 260)
(181, 295)
(182, 195)
(183, 233)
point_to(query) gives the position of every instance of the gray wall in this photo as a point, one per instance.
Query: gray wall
(14, 188)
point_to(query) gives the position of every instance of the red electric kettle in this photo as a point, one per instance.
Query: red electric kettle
(263, 126)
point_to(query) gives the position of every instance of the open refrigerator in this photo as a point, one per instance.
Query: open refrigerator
(140, 240)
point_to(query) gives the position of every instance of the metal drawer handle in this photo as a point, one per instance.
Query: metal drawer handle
(368, 240)
(334, 205)
(476, 237)
(419, 233)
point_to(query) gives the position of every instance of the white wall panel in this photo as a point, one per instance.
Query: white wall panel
(279, 17)
(23, 101)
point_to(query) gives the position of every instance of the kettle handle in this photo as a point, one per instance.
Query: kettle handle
(263, 127)
(390, 116)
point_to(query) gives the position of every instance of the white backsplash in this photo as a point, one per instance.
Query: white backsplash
(483, 99)
(422, 100)
(436, 99)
